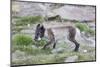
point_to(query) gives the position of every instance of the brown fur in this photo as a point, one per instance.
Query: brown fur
(40, 30)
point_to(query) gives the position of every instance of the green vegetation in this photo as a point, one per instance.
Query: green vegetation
(31, 52)
(84, 27)
(36, 55)
(22, 39)
(24, 42)
(28, 20)
(19, 23)
(44, 58)
(30, 49)
(40, 42)
(40, 59)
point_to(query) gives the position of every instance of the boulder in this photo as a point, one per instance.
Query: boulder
(80, 13)
(69, 12)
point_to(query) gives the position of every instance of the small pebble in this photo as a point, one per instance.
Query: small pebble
(85, 51)
(28, 25)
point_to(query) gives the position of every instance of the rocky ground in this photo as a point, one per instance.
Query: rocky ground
(64, 50)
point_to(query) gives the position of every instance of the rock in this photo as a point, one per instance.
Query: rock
(36, 47)
(28, 25)
(27, 31)
(72, 12)
(92, 25)
(71, 59)
(76, 12)
(83, 39)
(84, 51)
(58, 50)
(33, 46)
(66, 44)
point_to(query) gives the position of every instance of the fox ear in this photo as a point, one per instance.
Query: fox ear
(38, 26)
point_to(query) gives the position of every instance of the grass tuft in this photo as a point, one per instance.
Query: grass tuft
(84, 27)
(28, 20)
(22, 39)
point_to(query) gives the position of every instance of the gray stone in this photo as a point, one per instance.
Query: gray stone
(57, 50)
(71, 59)
(79, 13)
(71, 12)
